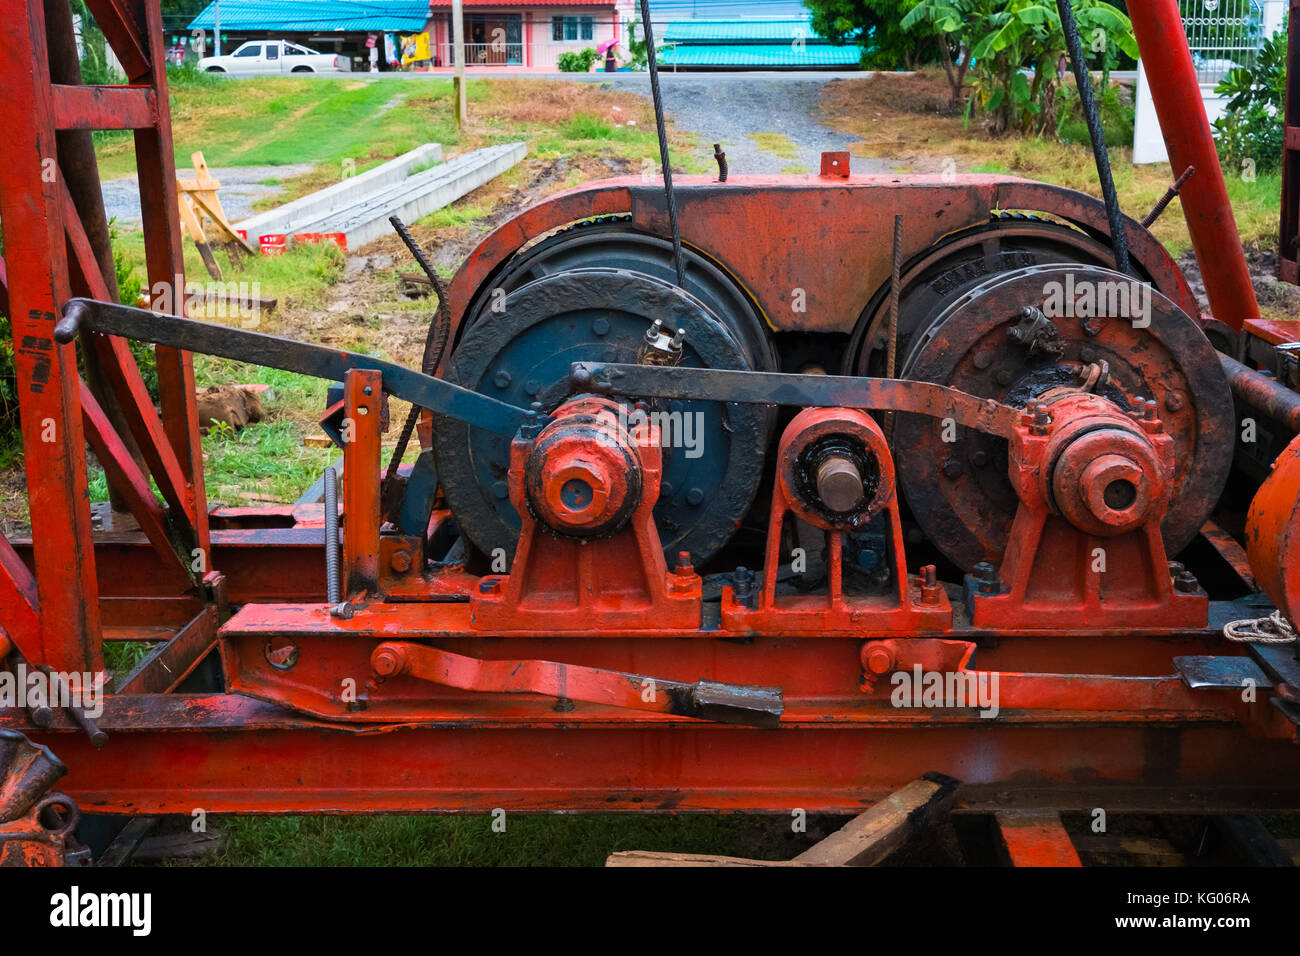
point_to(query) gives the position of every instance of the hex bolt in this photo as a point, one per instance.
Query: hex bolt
(1185, 583)
(1003, 377)
(683, 576)
(1174, 401)
(400, 561)
(930, 589)
(501, 379)
(742, 586)
(1041, 420)
(986, 578)
(952, 468)
(877, 659)
(386, 663)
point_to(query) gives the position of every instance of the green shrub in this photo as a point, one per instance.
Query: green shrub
(1116, 118)
(188, 74)
(577, 61)
(1249, 133)
(586, 126)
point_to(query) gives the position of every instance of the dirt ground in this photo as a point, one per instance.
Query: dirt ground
(353, 311)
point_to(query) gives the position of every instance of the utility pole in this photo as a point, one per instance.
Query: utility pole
(458, 43)
(216, 28)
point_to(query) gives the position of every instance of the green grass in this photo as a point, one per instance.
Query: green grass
(528, 840)
(776, 143)
(266, 457)
(276, 121)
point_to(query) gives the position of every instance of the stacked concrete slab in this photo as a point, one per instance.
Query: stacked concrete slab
(364, 216)
(288, 219)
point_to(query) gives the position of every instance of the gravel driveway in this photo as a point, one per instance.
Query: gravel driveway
(727, 107)
(240, 187)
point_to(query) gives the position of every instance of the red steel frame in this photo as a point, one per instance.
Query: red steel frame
(839, 746)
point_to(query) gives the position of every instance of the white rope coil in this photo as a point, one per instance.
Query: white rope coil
(1274, 629)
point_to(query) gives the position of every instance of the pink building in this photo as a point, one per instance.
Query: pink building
(526, 35)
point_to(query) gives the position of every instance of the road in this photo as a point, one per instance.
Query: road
(240, 187)
(727, 108)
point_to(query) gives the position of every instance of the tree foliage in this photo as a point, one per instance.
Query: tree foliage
(1013, 49)
(876, 27)
(1249, 133)
(1016, 52)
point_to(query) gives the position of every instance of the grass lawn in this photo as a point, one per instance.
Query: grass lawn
(528, 840)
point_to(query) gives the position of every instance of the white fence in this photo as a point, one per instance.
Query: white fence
(1222, 34)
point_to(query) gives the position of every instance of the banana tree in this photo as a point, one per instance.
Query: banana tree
(1016, 50)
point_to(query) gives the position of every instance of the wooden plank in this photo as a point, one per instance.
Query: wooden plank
(18, 596)
(168, 664)
(871, 836)
(104, 107)
(126, 842)
(1036, 838)
(644, 858)
(123, 474)
(177, 846)
(123, 376)
(1107, 850)
(114, 20)
(1250, 842)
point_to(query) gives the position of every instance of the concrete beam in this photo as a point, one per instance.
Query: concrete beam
(293, 216)
(367, 219)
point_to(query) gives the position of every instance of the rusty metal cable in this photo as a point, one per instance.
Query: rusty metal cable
(1083, 81)
(655, 95)
(891, 343)
(435, 343)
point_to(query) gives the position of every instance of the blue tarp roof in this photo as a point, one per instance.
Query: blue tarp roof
(752, 30)
(772, 56)
(730, 9)
(301, 16)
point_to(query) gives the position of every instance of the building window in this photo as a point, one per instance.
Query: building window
(572, 28)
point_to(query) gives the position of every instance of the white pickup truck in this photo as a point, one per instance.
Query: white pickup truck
(275, 56)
